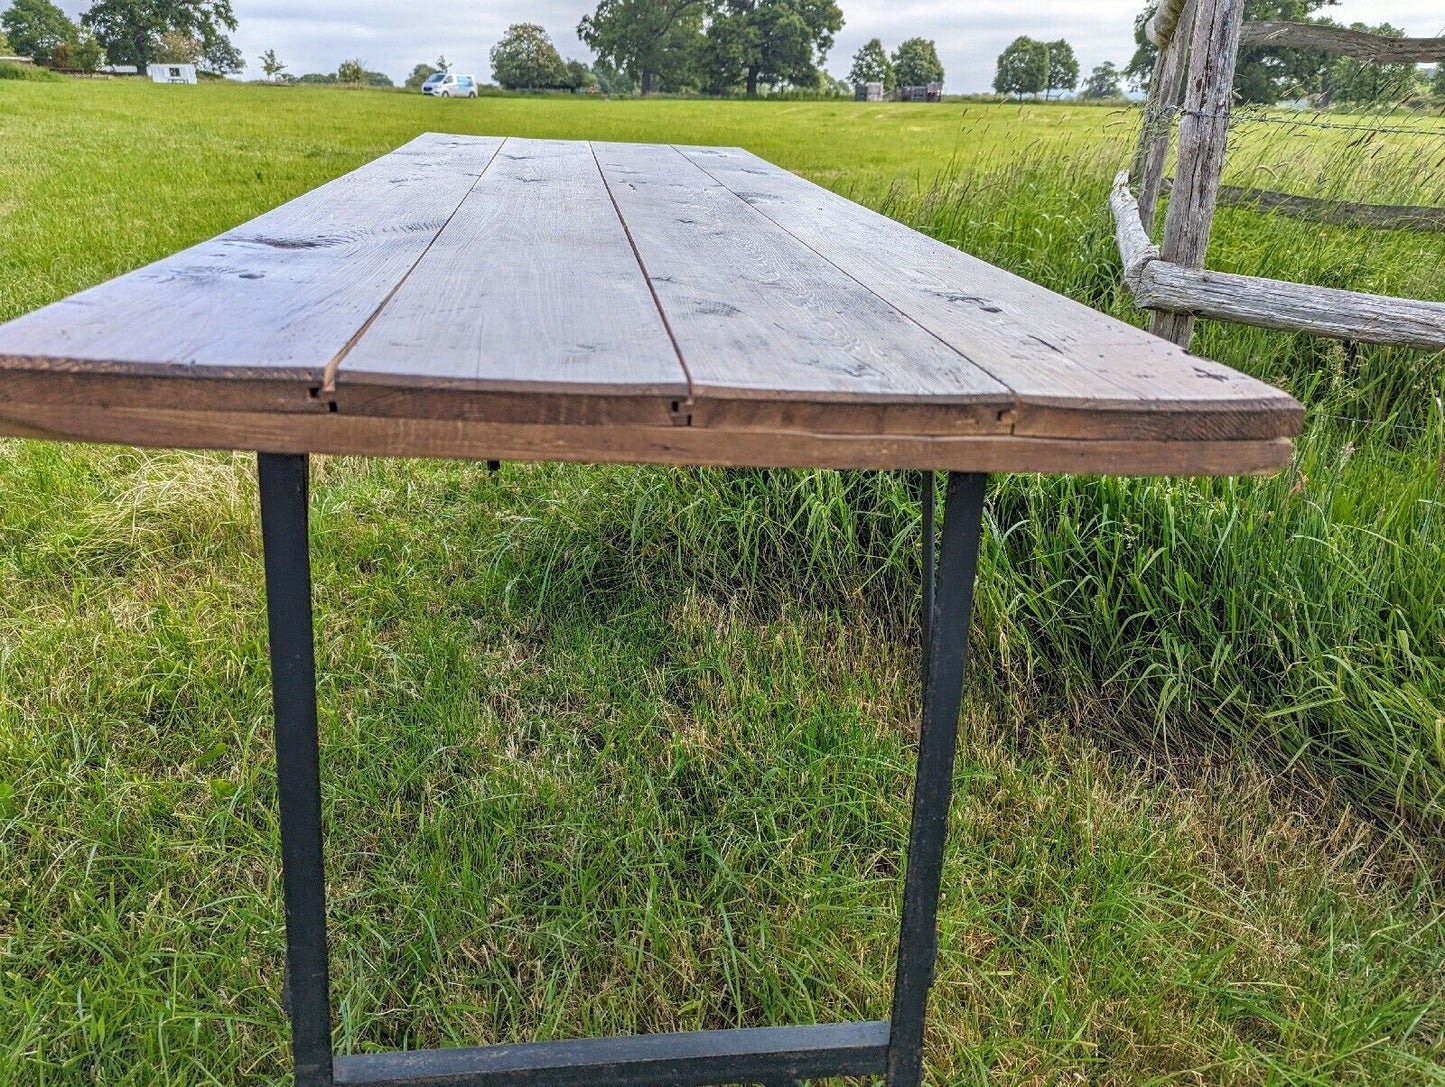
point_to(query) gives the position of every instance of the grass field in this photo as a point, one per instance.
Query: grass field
(621, 749)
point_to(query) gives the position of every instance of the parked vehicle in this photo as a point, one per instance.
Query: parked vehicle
(447, 85)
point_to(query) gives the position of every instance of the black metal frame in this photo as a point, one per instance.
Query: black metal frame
(773, 1056)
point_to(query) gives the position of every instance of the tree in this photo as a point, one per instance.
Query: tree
(442, 64)
(420, 74)
(173, 47)
(654, 41)
(1063, 68)
(5, 49)
(131, 30)
(871, 65)
(1437, 81)
(768, 41)
(1365, 81)
(1023, 68)
(271, 65)
(86, 53)
(35, 28)
(351, 71)
(612, 80)
(1103, 82)
(526, 57)
(579, 76)
(916, 63)
(376, 79)
(221, 57)
(1262, 75)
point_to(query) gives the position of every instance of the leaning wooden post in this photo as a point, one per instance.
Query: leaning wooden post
(1164, 88)
(1203, 133)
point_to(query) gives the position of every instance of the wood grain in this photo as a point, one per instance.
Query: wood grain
(757, 314)
(1157, 132)
(619, 302)
(1344, 42)
(1295, 307)
(275, 298)
(1135, 248)
(1074, 371)
(1203, 134)
(1316, 209)
(1161, 27)
(531, 286)
(1266, 303)
(389, 437)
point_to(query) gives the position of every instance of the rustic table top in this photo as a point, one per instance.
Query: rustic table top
(558, 300)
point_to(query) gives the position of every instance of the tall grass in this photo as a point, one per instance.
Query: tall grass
(1302, 614)
(612, 749)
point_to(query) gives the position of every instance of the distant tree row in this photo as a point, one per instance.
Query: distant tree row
(716, 46)
(1034, 67)
(526, 59)
(137, 32)
(1268, 74)
(914, 63)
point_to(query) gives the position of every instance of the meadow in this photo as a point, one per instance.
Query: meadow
(626, 749)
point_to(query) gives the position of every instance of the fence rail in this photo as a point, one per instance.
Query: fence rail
(1163, 285)
(1358, 44)
(1335, 212)
(1165, 20)
(1170, 278)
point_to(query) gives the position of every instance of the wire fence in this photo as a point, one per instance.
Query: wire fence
(1247, 117)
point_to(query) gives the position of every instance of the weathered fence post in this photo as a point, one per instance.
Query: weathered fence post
(1169, 29)
(1203, 133)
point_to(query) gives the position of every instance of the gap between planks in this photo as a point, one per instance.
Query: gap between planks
(681, 410)
(328, 378)
(1008, 415)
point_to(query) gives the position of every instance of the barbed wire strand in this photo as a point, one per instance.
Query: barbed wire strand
(1247, 118)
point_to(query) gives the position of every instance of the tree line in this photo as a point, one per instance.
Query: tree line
(1269, 74)
(1030, 67)
(135, 32)
(914, 63)
(714, 46)
(1264, 75)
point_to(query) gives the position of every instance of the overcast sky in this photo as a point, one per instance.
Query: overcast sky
(393, 35)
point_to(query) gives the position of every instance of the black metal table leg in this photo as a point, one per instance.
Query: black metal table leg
(946, 626)
(775, 1056)
(927, 496)
(283, 484)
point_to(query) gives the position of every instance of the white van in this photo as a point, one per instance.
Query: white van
(446, 85)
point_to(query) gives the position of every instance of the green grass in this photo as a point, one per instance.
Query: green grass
(618, 749)
(28, 73)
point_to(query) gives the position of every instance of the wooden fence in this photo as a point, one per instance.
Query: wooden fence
(1199, 43)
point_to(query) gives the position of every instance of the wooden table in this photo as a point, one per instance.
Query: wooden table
(486, 298)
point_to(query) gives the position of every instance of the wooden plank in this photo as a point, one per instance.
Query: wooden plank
(275, 298)
(1157, 131)
(1343, 42)
(682, 445)
(1135, 248)
(1316, 209)
(1162, 24)
(759, 316)
(1074, 371)
(1292, 307)
(1203, 134)
(532, 286)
